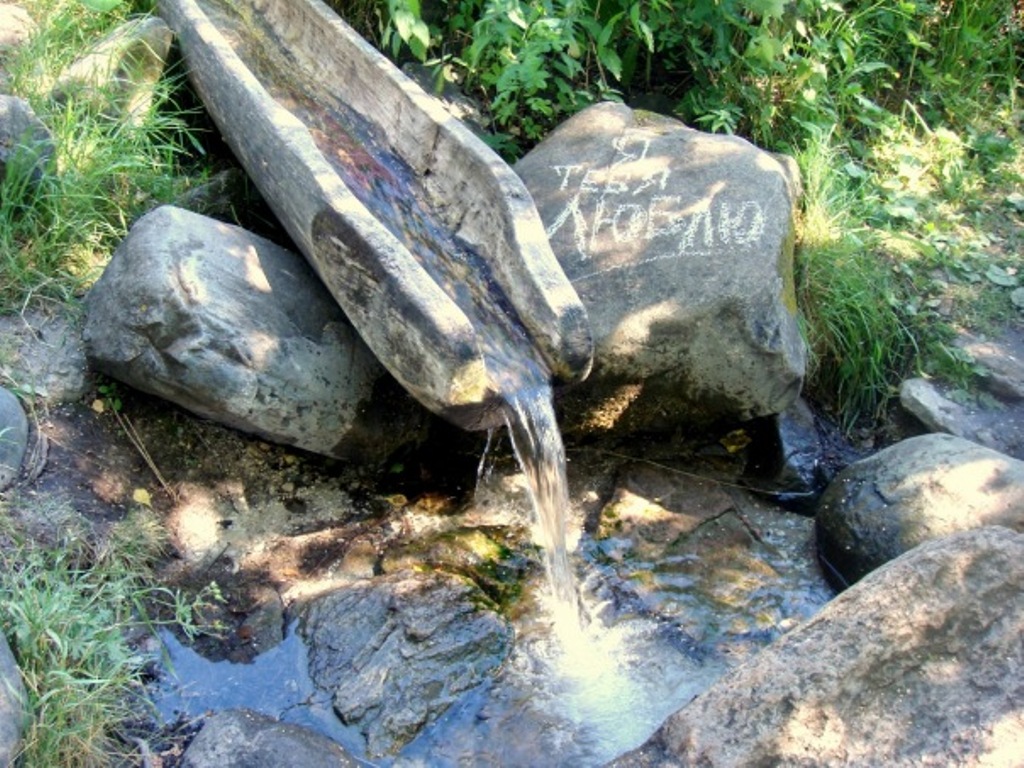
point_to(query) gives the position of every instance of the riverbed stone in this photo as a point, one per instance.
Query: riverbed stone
(680, 245)
(16, 26)
(13, 712)
(120, 73)
(42, 354)
(13, 438)
(917, 664)
(727, 569)
(396, 651)
(25, 143)
(241, 738)
(919, 489)
(239, 330)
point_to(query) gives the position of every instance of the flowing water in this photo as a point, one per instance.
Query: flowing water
(537, 442)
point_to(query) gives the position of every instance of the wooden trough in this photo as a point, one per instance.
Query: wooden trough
(426, 238)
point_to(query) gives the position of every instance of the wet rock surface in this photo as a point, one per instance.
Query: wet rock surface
(726, 568)
(935, 682)
(397, 651)
(919, 489)
(245, 739)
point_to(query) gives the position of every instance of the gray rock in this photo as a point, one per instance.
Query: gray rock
(398, 650)
(16, 26)
(239, 330)
(41, 351)
(680, 245)
(120, 73)
(788, 459)
(730, 572)
(916, 665)
(922, 399)
(981, 418)
(13, 438)
(25, 143)
(13, 712)
(1002, 359)
(919, 489)
(240, 738)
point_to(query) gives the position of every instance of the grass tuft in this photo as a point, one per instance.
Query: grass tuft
(72, 609)
(58, 232)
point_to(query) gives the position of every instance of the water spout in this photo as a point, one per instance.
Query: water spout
(537, 442)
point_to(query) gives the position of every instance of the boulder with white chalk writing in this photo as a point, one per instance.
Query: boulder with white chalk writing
(680, 245)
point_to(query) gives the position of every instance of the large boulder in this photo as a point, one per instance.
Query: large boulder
(917, 664)
(239, 330)
(396, 651)
(680, 245)
(918, 489)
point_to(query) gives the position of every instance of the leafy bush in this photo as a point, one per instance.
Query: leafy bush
(765, 68)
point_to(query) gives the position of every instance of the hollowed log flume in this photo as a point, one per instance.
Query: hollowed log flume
(427, 239)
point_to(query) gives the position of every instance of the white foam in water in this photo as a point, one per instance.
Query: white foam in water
(615, 683)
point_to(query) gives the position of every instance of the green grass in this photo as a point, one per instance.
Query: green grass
(70, 608)
(56, 235)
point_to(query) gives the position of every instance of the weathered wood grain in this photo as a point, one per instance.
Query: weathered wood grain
(281, 78)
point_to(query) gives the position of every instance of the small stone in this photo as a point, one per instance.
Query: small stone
(240, 738)
(13, 438)
(921, 398)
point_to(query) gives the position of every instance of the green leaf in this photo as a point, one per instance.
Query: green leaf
(101, 6)
(767, 9)
(765, 48)
(1000, 276)
(610, 60)
(413, 31)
